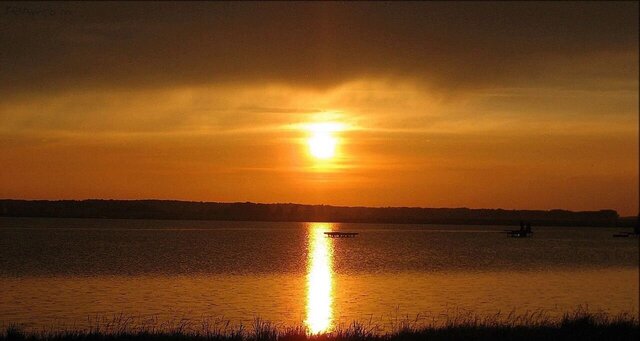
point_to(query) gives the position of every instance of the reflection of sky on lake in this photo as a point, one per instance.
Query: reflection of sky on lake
(60, 271)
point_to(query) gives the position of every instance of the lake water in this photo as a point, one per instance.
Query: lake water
(59, 272)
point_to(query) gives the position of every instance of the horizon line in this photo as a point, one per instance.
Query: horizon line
(327, 205)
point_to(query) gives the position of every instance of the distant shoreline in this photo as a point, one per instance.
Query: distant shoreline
(189, 210)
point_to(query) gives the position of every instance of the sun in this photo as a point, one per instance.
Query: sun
(322, 145)
(322, 141)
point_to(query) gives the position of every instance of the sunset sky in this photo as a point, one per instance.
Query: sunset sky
(482, 105)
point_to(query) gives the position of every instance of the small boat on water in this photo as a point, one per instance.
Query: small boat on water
(523, 232)
(623, 235)
(341, 234)
(635, 233)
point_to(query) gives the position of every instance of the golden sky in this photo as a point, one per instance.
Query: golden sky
(511, 105)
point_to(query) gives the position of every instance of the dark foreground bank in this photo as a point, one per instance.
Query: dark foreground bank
(575, 326)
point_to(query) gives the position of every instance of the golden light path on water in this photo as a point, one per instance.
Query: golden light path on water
(319, 279)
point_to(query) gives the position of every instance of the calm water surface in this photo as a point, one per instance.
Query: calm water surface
(58, 272)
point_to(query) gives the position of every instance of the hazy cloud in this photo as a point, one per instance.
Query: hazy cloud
(453, 45)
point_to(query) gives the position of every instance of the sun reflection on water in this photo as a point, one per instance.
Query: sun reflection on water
(319, 279)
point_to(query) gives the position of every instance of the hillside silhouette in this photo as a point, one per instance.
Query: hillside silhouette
(247, 211)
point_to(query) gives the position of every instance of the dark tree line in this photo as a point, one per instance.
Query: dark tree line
(167, 209)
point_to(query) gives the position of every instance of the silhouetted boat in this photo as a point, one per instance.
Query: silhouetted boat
(341, 234)
(524, 231)
(619, 235)
(635, 233)
(518, 234)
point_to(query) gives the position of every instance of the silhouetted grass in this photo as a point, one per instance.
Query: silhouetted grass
(577, 325)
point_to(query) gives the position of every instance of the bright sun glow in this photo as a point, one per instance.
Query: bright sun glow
(322, 146)
(322, 142)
